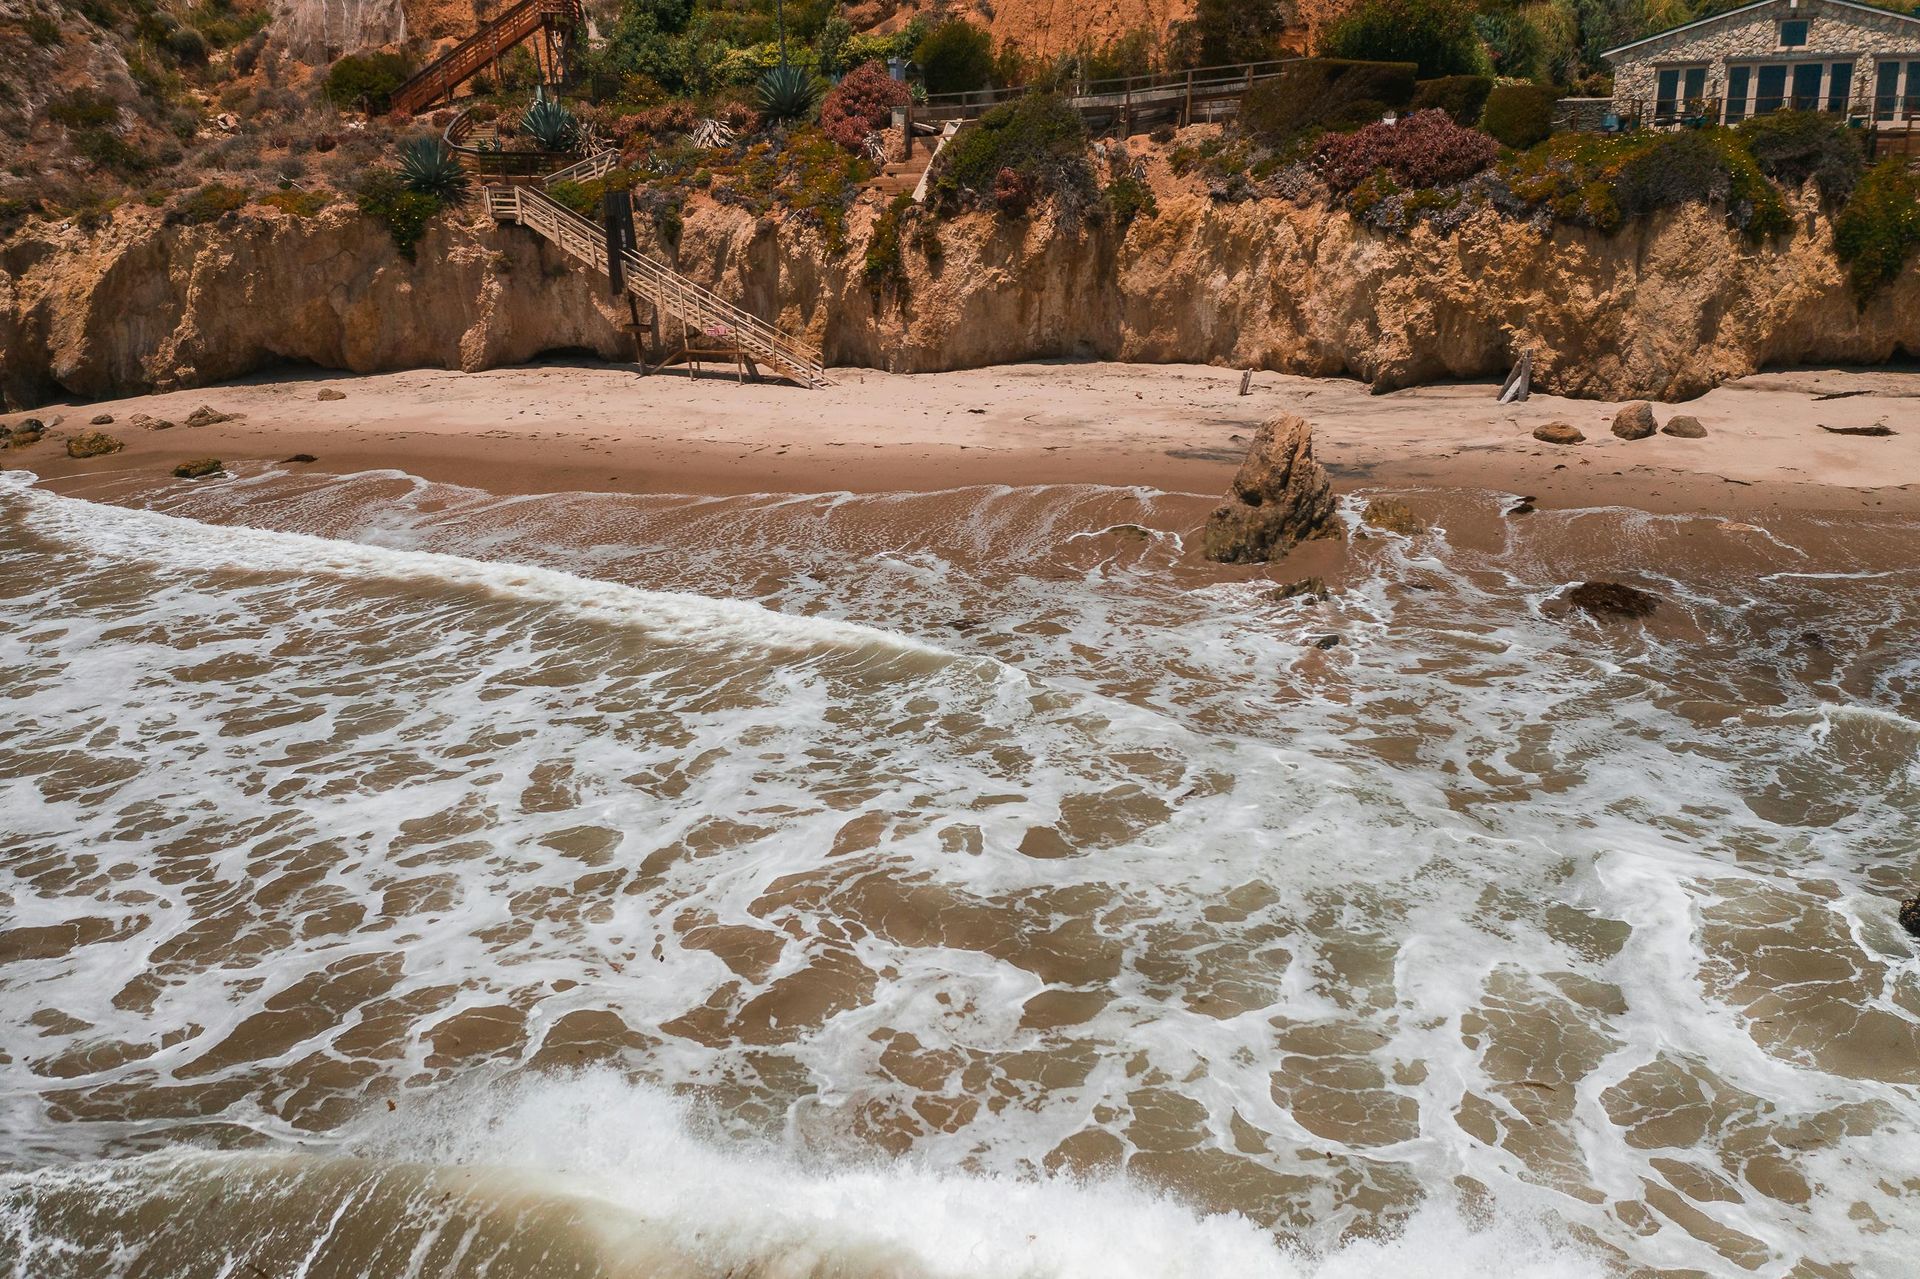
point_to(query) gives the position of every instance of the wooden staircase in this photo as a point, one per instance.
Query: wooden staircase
(439, 78)
(700, 310)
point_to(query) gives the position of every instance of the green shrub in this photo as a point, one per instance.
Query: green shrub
(299, 204)
(384, 197)
(886, 264)
(549, 123)
(40, 28)
(206, 204)
(1038, 138)
(1879, 230)
(1436, 35)
(1462, 97)
(366, 80)
(108, 150)
(188, 46)
(1324, 93)
(1793, 146)
(955, 57)
(1129, 197)
(83, 109)
(788, 93)
(427, 166)
(1519, 115)
(1602, 182)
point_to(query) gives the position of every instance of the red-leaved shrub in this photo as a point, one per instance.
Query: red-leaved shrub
(1012, 192)
(1425, 149)
(862, 102)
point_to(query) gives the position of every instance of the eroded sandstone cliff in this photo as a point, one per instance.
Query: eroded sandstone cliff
(1664, 310)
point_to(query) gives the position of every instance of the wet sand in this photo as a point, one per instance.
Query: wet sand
(1176, 428)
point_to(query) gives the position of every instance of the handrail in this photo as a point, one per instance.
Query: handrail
(649, 279)
(1242, 73)
(444, 73)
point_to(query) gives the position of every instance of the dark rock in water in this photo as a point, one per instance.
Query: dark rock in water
(299, 457)
(1878, 429)
(93, 444)
(1612, 599)
(1684, 427)
(1280, 497)
(207, 415)
(1133, 531)
(1813, 639)
(198, 467)
(1392, 515)
(1634, 421)
(1524, 506)
(1910, 914)
(1311, 587)
(1326, 641)
(1558, 433)
(102, 419)
(328, 393)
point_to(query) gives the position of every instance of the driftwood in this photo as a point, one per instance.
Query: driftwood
(1519, 383)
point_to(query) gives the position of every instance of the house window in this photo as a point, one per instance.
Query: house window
(1896, 91)
(1793, 33)
(1840, 87)
(1737, 82)
(1677, 90)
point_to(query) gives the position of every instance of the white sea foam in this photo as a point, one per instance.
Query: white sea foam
(1381, 938)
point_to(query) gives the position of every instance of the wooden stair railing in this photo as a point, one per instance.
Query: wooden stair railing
(670, 292)
(444, 74)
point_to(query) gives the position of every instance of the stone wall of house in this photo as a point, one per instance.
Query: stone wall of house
(1835, 32)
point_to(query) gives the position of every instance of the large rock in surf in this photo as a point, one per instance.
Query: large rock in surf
(1280, 497)
(1910, 914)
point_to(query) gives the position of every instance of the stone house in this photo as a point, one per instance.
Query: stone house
(1837, 56)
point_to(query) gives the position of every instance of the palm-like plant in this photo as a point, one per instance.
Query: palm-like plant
(427, 166)
(550, 124)
(788, 93)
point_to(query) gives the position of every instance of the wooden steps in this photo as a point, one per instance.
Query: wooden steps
(711, 322)
(439, 78)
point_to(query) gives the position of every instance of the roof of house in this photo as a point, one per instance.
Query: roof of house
(1876, 10)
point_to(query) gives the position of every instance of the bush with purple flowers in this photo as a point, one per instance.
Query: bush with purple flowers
(1426, 149)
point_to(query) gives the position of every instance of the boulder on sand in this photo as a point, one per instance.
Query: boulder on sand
(1634, 421)
(1558, 433)
(207, 415)
(102, 419)
(328, 393)
(198, 467)
(1280, 497)
(93, 444)
(1684, 427)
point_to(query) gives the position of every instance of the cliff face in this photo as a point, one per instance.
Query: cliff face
(1664, 310)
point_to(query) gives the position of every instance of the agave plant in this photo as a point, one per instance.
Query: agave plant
(788, 93)
(550, 124)
(427, 166)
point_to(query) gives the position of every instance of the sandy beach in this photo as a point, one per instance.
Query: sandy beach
(1178, 428)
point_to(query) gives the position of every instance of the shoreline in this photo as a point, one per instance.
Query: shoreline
(1175, 428)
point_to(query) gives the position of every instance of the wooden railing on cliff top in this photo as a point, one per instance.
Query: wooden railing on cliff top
(670, 292)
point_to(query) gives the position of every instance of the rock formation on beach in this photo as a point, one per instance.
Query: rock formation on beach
(1666, 308)
(1280, 497)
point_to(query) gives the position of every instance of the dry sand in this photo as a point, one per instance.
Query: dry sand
(1180, 428)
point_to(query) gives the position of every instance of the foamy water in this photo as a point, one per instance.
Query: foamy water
(966, 884)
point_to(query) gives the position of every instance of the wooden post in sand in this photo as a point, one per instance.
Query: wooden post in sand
(1246, 382)
(1519, 383)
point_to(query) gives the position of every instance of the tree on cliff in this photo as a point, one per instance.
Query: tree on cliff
(1436, 35)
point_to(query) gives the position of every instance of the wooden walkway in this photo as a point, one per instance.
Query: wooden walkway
(1204, 93)
(713, 325)
(558, 19)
